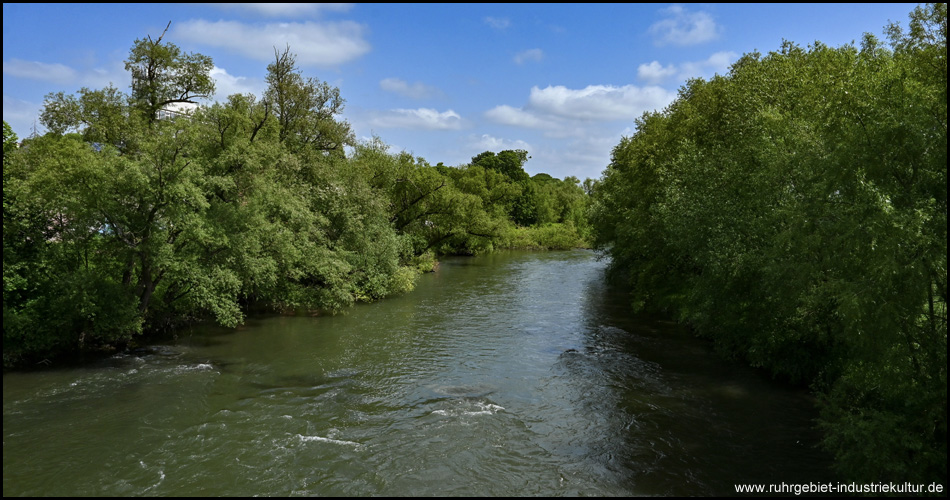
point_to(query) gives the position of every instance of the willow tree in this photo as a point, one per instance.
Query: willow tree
(118, 221)
(307, 109)
(794, 211)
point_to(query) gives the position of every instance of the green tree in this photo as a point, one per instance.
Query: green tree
(162, 74)
(9, 139)
(523, 209)
(101, 116)
(794, 211)
(58, 293)
(440, 210)
(135, 224)
(306, 108)
(508, 162)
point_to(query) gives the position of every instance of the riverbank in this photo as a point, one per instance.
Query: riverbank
(510, 374)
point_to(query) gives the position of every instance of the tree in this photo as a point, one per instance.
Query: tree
(794, 211)
(437, 209)
(508, 162)
(162, 74)
(306, 108)
(9, 139)
(135, 223)
(102, 116)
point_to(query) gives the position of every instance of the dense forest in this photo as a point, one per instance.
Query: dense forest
(136, 214)
(794, 211)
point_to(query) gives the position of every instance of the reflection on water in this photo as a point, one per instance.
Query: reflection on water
(509, 374)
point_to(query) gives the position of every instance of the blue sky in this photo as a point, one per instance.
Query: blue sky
(443, 81)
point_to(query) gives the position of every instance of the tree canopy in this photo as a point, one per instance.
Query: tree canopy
(795, 212)
(124, 219)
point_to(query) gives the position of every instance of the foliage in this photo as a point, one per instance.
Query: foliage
(124, 219)
(794, 211)
(509, 163)
(101, 116)
(305, 108)
(550, 236)
(162, 74)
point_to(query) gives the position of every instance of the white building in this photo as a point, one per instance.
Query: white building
(174, 109)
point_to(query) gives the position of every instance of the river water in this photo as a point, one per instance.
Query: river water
(511, 374)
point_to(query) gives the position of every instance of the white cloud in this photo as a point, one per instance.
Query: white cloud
(598, 102)
(422, 118)
(498, 23)
(529, 55)
(61, 74)
(716, 63)
(35, 70)
(416, 90)
(287, 9)
(319, 44)
(656, 73)
(508, 115)
(226, 85)
(579, 125)
(684, 28)
(486, 142)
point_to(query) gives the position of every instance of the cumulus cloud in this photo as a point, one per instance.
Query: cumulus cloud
(598, 102)
(287, 9)
(508, 115)
(416, 90)
(421, 118)
(529, 55)
(498, 23)
(579, 126)
(486, 142)
(717, 63)
(318, 44)
(681, 27)
(226, 84)
(655, 72)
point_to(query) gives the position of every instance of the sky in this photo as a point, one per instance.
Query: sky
(444, 82)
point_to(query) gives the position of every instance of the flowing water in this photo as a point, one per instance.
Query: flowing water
(511, 374)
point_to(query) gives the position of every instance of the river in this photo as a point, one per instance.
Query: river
(510, 374)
